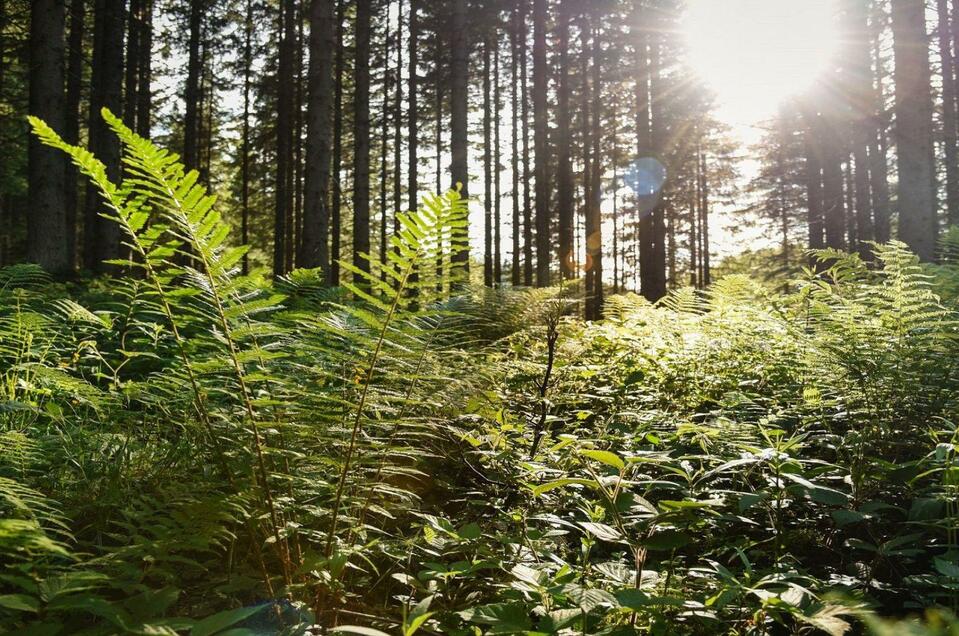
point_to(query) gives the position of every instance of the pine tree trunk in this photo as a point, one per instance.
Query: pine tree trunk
(47, 233)
(833, 210)
(594, 237)
(245, 134)
(878, 144)
(361, 138)
(540, 143)
(861, 108)
(132, 76)
(497, 169)
(918, 225)
(950, 130)
(284, 139)
(814, 188)
(384, 146)
(337, 205)
(514, 35)
(145, 70)
(459, 95)
(487, 167)
(564, 167)
(527, 172)
(102, 236)
(191, 93)
(412, 123)
(71, 128)
(316, 213)
(398, 122)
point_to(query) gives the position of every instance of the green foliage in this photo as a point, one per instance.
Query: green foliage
(184, 449)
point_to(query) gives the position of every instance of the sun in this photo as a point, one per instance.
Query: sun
(756, 53)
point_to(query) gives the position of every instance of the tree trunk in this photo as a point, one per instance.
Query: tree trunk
(132, 65)
(594, 235)
(316, 213)
(527, 173)
(245, 134)
(497, 168)
(398, 122)
(191, 93)
(145, 70)
(918, 225)
(514, 35)
(814, 189)
(361, 138)
(102, 236)
(564, 166)
(861, 109)
(335, 221)
(949, 113)
(71, 130)
(878, 144)
(47, 232)
(412, 123)
(384, 145)
(459, 95)
(286, 79)
(540, 143)
(487, 168)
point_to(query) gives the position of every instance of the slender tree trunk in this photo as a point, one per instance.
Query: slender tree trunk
(145, 70)
(336, 208)
(191, 93)
(540, 143)
(514, 35)
(707, 277)
(950, 129)
(295, 245)
(814, 187)
(487, 167)
(829, 136)
(47, 233)
(594, 238)
(316, 212)
(412, 123)
(384, 144)
(564, 167)
(878, 145)
(398, 122)
(459, 96)
(72, 125)
(361, 138)
(918, 225)
(286, 78)
(497, 168)
(861, 108)
(102, 238)
(245, 133)
(132, 64)
(527, 173)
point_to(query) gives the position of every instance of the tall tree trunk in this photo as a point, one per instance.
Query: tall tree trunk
(514, 35)
(878, 144)
(859, 76)
(564, 166)
(145, 70)
(335, 213)
(540, 143)
(707, 277)
(814, 188)
(295, 244)
(284, 139)
(829, 135)
(316, 213)
(398, 122)
(361, 138)
(527, 173)
(497, 168)
(245, 133)
(102, 236)
(132, 76)
(71, 130)
(594, 235)
(191, 93)
(459, 96)
(412, 122)
(47, 233)
(950, 130)
(918, 225)
(384, 144)
(487, 167)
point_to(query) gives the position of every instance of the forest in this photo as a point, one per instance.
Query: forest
(478, 317)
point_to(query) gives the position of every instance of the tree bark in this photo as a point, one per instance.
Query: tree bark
(145, 70)
(918, 225)
(594, 235)
(564, 166)
(487, 167)
(286, 79)
(47, 233)
(459, 95)
(335, 212)
(71, 130)
(527, 173)
(191, 93)
(361, 138)
(540, 143)
(950, 130)
(102, 236)
(316, 213)
(514, 35)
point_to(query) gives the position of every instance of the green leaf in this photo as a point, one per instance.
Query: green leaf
(358, 630)
(222, 620)
(947, 568)
(605, 457)
(504, 618)
(19, 602)
(602, 531)
(561, 483)
(667, 540)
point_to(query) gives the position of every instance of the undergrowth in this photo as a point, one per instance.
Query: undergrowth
(187, 450)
